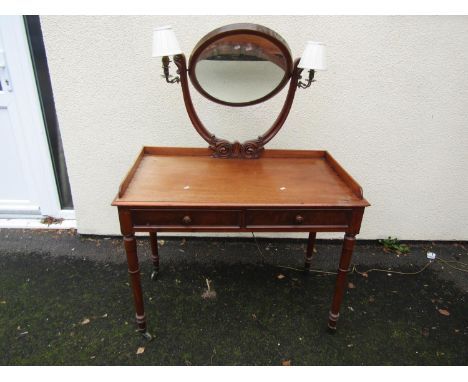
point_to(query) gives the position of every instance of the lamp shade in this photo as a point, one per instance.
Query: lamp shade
(313, 56)
(165, 42)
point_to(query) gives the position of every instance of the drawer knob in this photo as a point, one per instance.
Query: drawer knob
(186, 220)
(299, 219)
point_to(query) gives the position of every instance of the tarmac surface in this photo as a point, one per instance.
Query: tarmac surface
(65, 300)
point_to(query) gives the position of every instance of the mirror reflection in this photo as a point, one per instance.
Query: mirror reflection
(240, 68)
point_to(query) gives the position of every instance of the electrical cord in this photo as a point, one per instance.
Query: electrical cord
(447, 263)
(354, 267)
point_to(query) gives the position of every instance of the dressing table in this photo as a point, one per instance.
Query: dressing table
(233, 186)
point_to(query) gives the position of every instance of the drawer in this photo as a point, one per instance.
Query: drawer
(297, 217)
(186, 218)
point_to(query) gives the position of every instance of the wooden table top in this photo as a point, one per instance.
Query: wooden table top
(191, 177)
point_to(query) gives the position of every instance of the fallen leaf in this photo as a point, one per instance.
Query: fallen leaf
(364, 274)
(444, 312)
(280, 276)
(140, 350)
(161, 242)
(104, 315)
(286, 362)
(351, 285)
(350, 345)
(85, 321)
(351, 308)
(3, 302)
(254, 317)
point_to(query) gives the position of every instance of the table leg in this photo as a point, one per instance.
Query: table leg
(343, 269)
(134, 272)
(310, 250)
(154, 255)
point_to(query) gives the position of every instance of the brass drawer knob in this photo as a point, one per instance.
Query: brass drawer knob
(186, 220)
(299, 219)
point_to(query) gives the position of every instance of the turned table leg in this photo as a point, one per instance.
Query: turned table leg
(154, 255)
(310, 250)
(134, 272)
(343, 269)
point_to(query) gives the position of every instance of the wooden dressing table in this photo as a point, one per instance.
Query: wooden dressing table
(233, 187)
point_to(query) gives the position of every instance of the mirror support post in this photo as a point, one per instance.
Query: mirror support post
(181, 63)
(222, 148)
(278, 124)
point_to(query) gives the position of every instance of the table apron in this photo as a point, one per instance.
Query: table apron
(241, 220)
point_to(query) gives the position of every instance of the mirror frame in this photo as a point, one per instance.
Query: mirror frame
(234, 29)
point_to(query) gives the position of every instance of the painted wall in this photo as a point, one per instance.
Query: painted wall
(392, 109)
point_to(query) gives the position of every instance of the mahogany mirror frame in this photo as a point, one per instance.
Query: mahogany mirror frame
(241, 29)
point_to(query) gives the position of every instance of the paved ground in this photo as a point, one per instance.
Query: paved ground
(65, 299)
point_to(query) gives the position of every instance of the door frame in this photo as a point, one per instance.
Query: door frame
(35, 152)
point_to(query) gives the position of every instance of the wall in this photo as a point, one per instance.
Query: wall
(392, 109)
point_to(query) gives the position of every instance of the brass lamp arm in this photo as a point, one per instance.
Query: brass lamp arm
(305, 85)
(165, 65)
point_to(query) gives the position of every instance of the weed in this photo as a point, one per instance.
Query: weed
(393, 245)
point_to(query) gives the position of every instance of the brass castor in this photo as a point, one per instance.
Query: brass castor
(154, 274)
(147, 336)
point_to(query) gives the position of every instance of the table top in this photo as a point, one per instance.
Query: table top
(169, 176)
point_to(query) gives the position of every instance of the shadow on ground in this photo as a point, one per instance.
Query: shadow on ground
(258, 316)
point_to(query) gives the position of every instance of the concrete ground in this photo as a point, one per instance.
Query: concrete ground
(65, 300)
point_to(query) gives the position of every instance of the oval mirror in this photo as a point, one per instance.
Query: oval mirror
(240, 64)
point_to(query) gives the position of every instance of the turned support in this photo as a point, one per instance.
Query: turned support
(310, 250)
(340, 284)
(134, 272)
(154, 254)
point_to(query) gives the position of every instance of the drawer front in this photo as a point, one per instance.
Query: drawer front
(297, 217)
(186, 218)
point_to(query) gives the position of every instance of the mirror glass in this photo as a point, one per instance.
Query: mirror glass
(240, 69)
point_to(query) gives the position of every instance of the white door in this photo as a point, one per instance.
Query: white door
(27, 183)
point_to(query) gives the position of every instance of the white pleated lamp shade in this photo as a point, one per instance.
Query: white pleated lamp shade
(165, 42)
(314, 56)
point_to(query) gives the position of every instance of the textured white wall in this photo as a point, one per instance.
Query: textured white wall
(392, 108)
